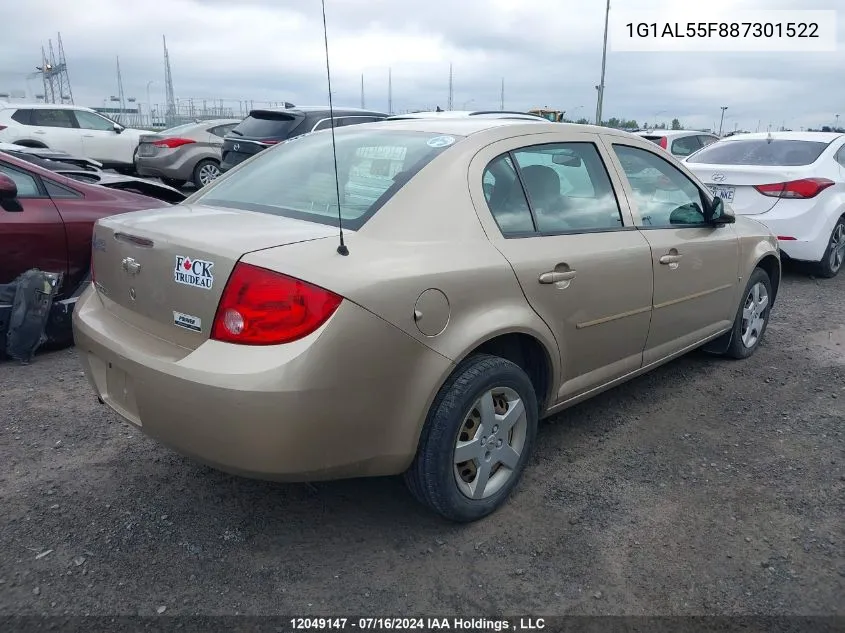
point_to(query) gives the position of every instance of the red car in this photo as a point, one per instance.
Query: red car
(46, 222)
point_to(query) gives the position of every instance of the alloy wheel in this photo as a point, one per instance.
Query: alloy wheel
(754, 314)
(208, 172)
(837, 247)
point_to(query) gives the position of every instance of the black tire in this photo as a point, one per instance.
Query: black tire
(432, 475)
(205, 164)
(172, 182)
(827, 267)
(738, 348)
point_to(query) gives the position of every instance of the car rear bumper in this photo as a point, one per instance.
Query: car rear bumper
(808, 225)
(324, 407)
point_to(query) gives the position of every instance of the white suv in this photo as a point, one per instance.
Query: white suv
(72, 129)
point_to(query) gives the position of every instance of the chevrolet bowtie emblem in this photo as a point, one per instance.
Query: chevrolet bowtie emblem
(131, 266)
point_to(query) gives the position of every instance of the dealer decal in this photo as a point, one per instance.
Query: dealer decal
(187, 321)
(193, 272)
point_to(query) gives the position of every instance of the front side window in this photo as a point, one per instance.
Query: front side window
(568, 188)
(91, 121)
(663, 195)
(27, 185)
(840, 156)
(685, 145)
(53, 118)
(297, 178)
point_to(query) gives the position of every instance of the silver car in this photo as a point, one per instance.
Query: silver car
(186, 153)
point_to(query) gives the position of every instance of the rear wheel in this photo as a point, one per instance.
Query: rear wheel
(476, 440)
(834, 256)
(206, 171)
(752, 318)
(172, 182)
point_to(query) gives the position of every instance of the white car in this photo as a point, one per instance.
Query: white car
(793, 182)
(72, 129)
(679, 143)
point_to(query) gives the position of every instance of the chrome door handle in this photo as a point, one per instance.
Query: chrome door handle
(88, 136)
(40, 132)
(670, 259)
(556, 277)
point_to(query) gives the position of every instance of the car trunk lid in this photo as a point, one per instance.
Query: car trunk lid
(736, 184)
(163, 271)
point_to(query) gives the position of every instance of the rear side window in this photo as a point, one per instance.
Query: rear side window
(297, 179)
(706, 140)
(22, 116)
(653, 139)
(567, 186)
(777, 152)
(267, 125)
(53, 118)
(222, 130)
(685, 145)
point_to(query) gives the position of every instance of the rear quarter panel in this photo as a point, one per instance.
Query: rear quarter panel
(756, 242)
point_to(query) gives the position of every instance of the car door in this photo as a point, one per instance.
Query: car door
(100, 139)
(31, 233)
(57, 129)
(696, 264)
(550, 208)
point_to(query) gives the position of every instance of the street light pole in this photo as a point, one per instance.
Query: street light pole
(149, 101)
(722, 121)
(600, 87)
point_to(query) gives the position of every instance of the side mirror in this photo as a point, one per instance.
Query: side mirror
(118, 128)
(8, 188)
(718, 214)
(9, 195)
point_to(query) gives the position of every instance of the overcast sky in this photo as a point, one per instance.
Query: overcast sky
(548, 52)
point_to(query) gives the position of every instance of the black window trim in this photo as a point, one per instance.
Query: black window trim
(42, 190)
(536, 232)
(706, 197)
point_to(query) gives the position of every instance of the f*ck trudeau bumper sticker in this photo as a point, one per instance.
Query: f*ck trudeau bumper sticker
(193, 272)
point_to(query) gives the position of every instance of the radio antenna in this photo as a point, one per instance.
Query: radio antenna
(341, 248)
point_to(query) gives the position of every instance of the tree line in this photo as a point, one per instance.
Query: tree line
(631, 124)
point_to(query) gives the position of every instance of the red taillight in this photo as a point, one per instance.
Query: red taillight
(804, 188)
(269, 142)
(664, 143)
(172, 143)
(785, 238)
(3, 127)
(262, 307)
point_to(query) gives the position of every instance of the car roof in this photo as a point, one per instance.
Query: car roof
(491, 114)
(311, 109)
(465, 126)
(668, 133)
(819, 137)
(43, 106)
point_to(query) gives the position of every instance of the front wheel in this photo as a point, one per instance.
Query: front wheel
(476, 441)
(834, 255)
(752, 318)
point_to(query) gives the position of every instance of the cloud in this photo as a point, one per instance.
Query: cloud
(548, 53)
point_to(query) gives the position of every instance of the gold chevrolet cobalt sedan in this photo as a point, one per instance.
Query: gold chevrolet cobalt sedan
(497, 272)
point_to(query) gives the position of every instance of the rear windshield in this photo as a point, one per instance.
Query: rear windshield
(296, 179)
(266, 125)
(778, 152)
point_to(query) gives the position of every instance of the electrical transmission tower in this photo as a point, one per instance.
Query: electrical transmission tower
(121, 98)
(449, 107)
(170, 96)
(54, 75)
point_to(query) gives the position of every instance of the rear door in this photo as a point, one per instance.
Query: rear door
(582, 265)
(57, 129)
(695, 264)
(33, 237)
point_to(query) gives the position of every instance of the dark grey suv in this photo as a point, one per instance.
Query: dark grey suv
(264, 128)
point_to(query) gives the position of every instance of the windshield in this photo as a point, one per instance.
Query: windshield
(296, 179)
(778, 152)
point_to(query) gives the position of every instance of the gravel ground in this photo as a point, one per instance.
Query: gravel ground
(706, 487)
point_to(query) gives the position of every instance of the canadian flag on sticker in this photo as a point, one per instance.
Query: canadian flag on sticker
(193, 272)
